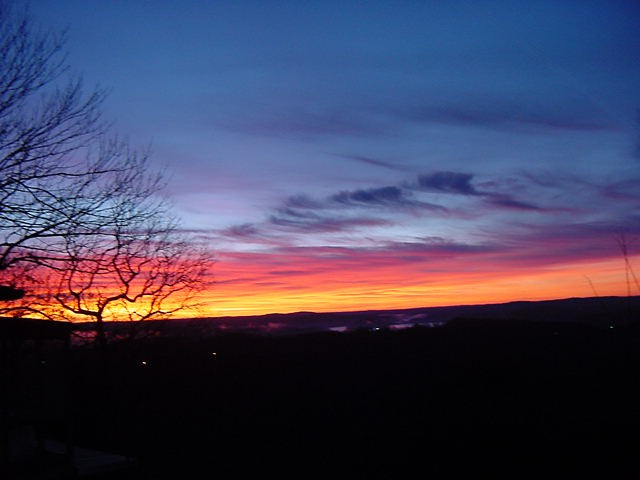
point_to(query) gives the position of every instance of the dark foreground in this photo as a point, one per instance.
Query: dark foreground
(469, 395)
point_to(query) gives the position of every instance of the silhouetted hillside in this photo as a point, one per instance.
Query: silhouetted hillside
(597, 311)
(369, 401)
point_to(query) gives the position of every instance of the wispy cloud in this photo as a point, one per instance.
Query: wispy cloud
(375, 162)
(545, 225)
(438, 246)
(627, 190)
(342, 211)
(303, 123)
(386, 197)
(448, 182)
(366, 208)
(310, 222)
(242, 231)
(508, 202)
(458, 183)
(496, 113)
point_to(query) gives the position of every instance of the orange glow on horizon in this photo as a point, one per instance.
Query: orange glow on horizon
(337, 281)
(391, 287)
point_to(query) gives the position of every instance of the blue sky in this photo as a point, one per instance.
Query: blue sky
(507, 127)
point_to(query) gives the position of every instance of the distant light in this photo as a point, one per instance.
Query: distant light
(215, 354)
(610, 326)
(377, 329)
(144, 362)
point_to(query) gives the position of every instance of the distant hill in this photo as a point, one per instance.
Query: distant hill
(602, 312)
(520, 380)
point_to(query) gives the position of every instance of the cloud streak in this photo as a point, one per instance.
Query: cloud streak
(375, 162)
(498, 113)
(433, 195)
(384, 197)
(448, 182)
(312, 223)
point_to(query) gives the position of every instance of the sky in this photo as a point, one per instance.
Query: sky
(371, 155)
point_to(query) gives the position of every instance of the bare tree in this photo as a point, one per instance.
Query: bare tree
(134, 273)
(49, 177)
(127, 260)
(82, 225)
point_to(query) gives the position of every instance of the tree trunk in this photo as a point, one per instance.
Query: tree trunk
(101, 336)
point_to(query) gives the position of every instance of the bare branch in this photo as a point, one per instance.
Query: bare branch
(82, 223)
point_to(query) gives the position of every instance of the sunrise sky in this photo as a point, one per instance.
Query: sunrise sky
(366, 155)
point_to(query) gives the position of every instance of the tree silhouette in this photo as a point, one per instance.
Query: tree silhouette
(50, 180)
(82, 224)
(133, 272)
